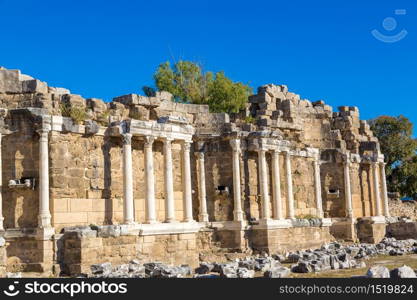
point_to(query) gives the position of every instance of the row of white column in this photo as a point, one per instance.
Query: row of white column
(381, 209)
(44, 215)
(150, 181)
(277, 212)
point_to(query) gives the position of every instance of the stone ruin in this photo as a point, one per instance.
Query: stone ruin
(84, 181)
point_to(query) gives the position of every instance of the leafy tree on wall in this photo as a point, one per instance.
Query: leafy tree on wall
(399, 148)
(188, 83)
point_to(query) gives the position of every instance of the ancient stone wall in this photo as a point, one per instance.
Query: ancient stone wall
(69, 161)
(282, 240)
(403, 209)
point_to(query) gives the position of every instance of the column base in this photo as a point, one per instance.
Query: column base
(238, 216)
(44, 221)
(44, 233)
(203, 217)
(171, 221)
(326, 222)
(378, 219)
(152, 222)
(271, 224)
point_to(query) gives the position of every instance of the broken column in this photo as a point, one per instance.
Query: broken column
(128, 215)
(276, 186)
(377, 194)
(263, 181)
(149, 181)
(348, 191)
(169, 182)
(237, 211)
(186, 182)
(317, 187)
(44, 217)
(202, 215)
(384, 189)
(290, 195)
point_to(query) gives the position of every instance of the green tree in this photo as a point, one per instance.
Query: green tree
(399, 149)
(188, 83)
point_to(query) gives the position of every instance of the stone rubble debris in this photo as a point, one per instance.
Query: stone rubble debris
(332, 256)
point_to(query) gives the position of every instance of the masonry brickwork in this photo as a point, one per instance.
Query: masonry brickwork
(170, 181)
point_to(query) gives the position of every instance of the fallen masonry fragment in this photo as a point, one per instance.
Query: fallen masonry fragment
(332, 256)
(86, 182)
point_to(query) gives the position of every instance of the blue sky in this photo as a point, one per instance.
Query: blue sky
(320, 49)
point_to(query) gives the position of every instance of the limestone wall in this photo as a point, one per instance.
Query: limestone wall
(20, 160)
(283, 240)
(403, 209)
(88, 189)
(81, 250)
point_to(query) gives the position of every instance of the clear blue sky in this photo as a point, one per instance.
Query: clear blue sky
(320, 49)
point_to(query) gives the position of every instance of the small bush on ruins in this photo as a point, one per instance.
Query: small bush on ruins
(190, 84)
(103, 118)
(399, 148)
(250, 120)
(78, 115)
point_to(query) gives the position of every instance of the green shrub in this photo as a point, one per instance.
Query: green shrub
(77, 114)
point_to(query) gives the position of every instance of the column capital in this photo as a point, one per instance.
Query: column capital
(276, 151)
(168, 140)
(186, 146)
(127, 138)
(235, 143)
(148, 140)
(43, 131)
(199, 155)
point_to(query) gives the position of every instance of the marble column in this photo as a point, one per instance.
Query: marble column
(169, 182)
(377, 193)
(186, 182)
(290, 193)
(128, 210)
(276, 186)
(149, 181)
(1, 188)
(348, 190)
(202, 197)
(263, 183)
(237, 196)
(317, 187)
(384, 188)
(44, 217)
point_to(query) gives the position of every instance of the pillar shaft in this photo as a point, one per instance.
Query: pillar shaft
(276, 186)
(317, 188)
(186, 182)
(1, 188)
(44, 218)
(384, 189)
(237, 210)
(290, 194)
(149, 181)
(128, 210)
(203, 215)
(348, 190)
(263, 183)
(377, 193)
(169, 182)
